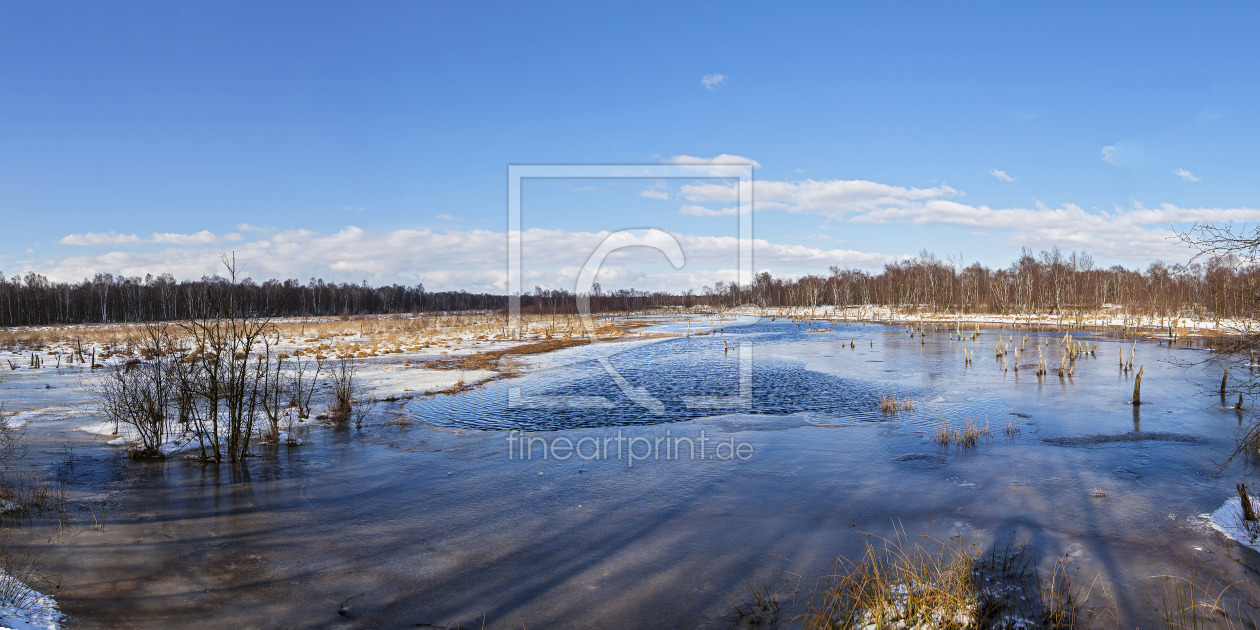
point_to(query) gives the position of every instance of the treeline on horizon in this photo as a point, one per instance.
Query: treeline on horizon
(1050, 281)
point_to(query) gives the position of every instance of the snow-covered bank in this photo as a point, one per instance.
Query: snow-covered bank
(1108, 317)
(24, 608)
(1228, 520)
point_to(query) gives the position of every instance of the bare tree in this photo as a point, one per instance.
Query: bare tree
(233, 368)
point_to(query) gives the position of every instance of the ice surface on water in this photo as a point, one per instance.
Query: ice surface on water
(461, 529)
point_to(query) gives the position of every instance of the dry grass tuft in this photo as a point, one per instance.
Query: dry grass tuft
(896, 584)
(1013, 428)
(1186, 603)
(966, 436)
(759, 604)
(889, 403)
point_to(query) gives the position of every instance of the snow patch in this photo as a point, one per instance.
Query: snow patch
(1228, 520)
(101, 428)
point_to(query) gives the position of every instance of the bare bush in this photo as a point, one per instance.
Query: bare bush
(274, 389)
(216, 378)
(344, 390)
(148, 397)
(232, 370)
(12, 444)
(300, 386)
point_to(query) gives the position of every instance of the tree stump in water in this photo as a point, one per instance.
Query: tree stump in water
(1249, 514)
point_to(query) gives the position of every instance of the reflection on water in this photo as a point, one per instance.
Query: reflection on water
(421, 518)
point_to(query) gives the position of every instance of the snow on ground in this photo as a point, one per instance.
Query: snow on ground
(24, 608)
(126, 435)
(109, 428)
(381, 379)
(19, 419)
(1228, 520)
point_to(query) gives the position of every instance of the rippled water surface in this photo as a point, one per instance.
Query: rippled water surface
(430, 514)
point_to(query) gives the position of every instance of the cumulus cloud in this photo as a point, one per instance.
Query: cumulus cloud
(710, 81)
(1187, 175)
(473, 259)
(551, 259)
(1135, 233)
(1108, 154)
(1001, 175)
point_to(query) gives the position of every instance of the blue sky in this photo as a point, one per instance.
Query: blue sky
(148, 137)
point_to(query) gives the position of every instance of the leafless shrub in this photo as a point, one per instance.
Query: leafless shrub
(146, 396)
(274, 388)
(302, 381)
(12, 442)
(232, 372)
(344, 390)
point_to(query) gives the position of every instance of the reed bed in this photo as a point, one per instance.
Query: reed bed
(28, 494)
(359, 337)
(900, 584)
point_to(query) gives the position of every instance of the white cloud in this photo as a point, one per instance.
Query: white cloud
(98, 239)
(1001, 175)
(724, 158)
(204, 237)
(1108, 154)
(710, 81)
(701, 211)
(445, 217)
(1187, 175)
(723, 165)
(1136, 233)
(652, 193)
(831, 197)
